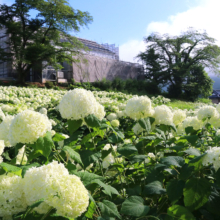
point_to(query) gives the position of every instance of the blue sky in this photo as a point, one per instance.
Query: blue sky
(126, 22)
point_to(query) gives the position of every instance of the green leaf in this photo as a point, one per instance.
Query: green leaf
(145, 124)
(197, 162)
(196, 193)
(58, 137)
(34, 205)
(134, 206)
(173, 160)
(177, 212)
(127, 150)
(87, 178)
(91, 210)
(154, 175)
(105, 153)
(217, 176)
(175, 190)
(72, 154)
(192, 151)
(190, 130)
(109, 190)
(153, 188)
(192, 139)
(138, 158)
(11, 169)
(109, 209)
(134, 191)
(115, 138)
(186, 171)
(213, 203)
(89, 157)
(92, 121)
(43, 145)
(73, 125)
(72, 139)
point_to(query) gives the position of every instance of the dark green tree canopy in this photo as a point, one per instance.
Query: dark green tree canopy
(43, 38)
(171, 60)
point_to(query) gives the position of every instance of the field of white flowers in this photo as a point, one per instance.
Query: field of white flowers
(105, 155)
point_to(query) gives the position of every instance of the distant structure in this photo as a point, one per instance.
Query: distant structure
(215, 97)
(99, 62)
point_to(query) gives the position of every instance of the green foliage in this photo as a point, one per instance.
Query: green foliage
(178, 62)
(30, 37)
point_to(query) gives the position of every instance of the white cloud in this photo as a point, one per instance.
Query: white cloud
(129, 50)
(204, 16)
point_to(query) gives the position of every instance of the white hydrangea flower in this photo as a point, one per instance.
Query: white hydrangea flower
(139, 107)
(193, 122)
(62, 191)
(151, 155)
(178, 116)
(163, 115)
(127, 141)
(12, 197)
(112, 116)
(212, 157)
(28, 126)
(215, 122)
(218, 132)
(53, 122)
(120, 114)
(43, 111)
(99, 111)
(4, 129)
(107, 161)
(2, 146)
(207, 112)
(115, 123)
(77, 104)
(2, 115)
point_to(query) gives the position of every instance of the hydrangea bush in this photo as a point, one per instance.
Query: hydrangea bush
(106, 156)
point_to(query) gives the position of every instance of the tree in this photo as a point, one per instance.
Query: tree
(43, 38)
(171, 61)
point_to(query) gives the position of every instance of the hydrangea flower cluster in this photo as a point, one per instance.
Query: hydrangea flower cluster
(212, 157)
(2, 146)
(28, 126)
(112, 116)
(207, 112)
(79, 103)
(12, 197)
(66, 193)
(163, 115)
(193, 122)
(115, 123)
(4, 129)
(178, 116)
(139, 107)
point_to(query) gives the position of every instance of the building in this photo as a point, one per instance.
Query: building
(215, 97)
(102, 61)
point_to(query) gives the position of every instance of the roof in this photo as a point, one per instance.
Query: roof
(215, 94)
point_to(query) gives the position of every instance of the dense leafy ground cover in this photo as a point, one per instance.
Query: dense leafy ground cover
(106, 155)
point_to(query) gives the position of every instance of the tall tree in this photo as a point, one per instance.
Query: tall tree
(171, 60)
(43, 38)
